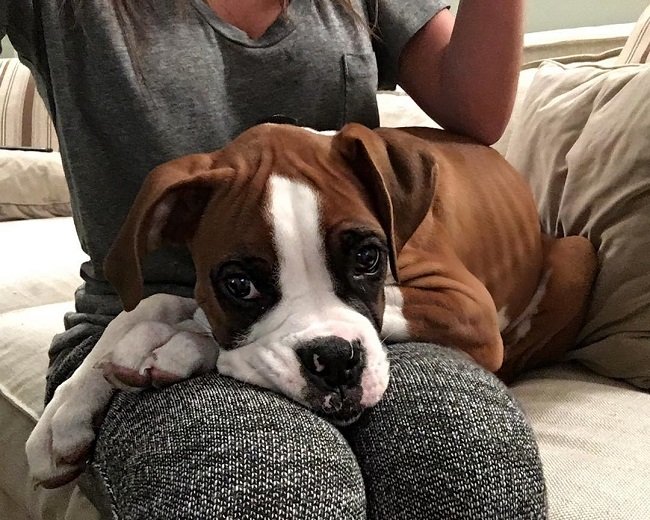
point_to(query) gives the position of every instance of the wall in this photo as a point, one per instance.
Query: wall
(543, 15)
(6, 49)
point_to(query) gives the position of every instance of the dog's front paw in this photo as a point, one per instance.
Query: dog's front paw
(157, 354)
(61, 441)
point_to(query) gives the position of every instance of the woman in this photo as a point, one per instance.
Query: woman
(131, 84)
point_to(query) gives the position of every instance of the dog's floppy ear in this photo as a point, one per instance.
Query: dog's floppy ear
(399, 173)
(166, 211)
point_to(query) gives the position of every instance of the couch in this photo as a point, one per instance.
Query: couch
(590, 413)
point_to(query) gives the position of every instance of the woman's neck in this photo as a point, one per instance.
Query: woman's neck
(254, 17)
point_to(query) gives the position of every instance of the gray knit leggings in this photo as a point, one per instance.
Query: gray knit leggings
(447, 441)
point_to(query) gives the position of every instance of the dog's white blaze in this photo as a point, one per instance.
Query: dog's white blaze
(298, 241)
(309, 307)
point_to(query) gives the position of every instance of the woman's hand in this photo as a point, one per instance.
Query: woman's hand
(464, 73)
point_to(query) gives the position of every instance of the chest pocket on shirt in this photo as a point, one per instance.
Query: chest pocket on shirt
(360, 75)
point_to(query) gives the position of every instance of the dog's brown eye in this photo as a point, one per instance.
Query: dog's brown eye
(367, 259)
(241, 287)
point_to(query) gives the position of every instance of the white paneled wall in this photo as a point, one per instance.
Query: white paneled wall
(544, 15)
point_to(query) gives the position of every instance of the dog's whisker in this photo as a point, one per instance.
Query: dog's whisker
(385, 339)
(351, 349)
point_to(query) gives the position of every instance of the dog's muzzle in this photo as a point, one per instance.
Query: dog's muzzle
(332, 367)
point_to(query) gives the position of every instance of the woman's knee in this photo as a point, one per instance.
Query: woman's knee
(214, 448)
(447, 440)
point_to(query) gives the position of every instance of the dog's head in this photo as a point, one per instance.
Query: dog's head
(292, 234)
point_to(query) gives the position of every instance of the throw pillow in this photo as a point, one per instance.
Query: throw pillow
(582, 139)
(32, 185)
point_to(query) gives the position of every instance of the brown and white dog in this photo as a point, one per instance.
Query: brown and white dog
(311, 250)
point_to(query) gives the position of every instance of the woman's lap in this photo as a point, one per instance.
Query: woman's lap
(447, 441)
(213, 448)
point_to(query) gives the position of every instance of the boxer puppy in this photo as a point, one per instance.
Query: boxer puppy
(312, 250)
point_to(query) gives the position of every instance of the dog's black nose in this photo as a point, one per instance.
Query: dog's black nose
(331, 362)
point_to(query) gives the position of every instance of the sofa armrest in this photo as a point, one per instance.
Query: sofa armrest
(575, 42)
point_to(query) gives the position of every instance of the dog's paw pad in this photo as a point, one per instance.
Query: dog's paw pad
(59, 480)
(183, 356)
(76, 455)
(175, 356)
(126, 378)
(162, 378)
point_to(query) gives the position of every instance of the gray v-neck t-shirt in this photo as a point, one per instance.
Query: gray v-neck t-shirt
(202, 83)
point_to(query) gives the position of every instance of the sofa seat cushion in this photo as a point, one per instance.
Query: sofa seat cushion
(39, 273)
(25, 336)
(24, 340)
(40, 262)
(397, 108)
(593, 439)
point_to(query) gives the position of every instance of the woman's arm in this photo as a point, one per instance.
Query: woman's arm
(19, 21)
(464, 73)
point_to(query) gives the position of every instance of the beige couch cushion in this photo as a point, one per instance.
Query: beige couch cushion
(39, 273)
(397, 108)
(581, 139)
(593, 439)
(39, 263)
(25, 336)
(527, 74)
(32, 185)
(39, 269)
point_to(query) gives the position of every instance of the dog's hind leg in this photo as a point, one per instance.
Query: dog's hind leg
(549, 326)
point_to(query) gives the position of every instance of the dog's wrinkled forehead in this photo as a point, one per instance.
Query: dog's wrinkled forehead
(217, 204)
(240, 218)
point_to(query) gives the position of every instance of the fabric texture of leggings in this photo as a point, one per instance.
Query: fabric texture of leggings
(447, 441)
